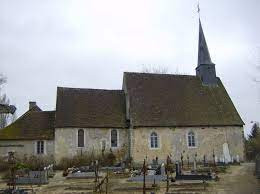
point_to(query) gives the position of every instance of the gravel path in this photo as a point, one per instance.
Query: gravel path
(238, 180)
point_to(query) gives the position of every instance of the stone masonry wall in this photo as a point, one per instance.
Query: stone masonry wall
(25, 147)
(174, 141)
(66, 141)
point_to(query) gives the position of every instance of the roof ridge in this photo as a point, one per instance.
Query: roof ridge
(47, 111)
(158, 74)
(95, 89)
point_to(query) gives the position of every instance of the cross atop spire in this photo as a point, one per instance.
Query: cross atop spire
(203, 51)
(198, 8)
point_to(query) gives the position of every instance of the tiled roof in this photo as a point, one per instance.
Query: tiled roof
(178, 100)
(33, 125)
(90, 108)
(155, 100)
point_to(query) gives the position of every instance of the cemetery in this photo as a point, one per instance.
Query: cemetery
(174, 175)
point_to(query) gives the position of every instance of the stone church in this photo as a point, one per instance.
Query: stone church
(154, 115)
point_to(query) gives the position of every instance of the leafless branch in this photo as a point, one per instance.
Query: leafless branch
(154, 69)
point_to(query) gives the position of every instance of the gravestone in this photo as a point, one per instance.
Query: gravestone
(194, 166)
(216, 159)
(178, 169)
(123, 165)
(49, 170)
(155, 161)
(204, 160)
(226, 153)
(150, 172)
(221, 159)
(238, 158)
(163, 169)
(34, 177)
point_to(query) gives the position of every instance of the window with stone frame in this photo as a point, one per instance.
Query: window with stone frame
(191, 139)
(40, 147)
(114, 138)
(81, 138)
(154, 140)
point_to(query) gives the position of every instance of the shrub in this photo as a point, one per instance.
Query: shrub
(77, 160)
(33, 162)
(3, 164)
(85, 159)
(110, 158)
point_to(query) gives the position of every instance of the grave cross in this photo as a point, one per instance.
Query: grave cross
(167, 172)
(181, 160)
(12, 163)
(144, 172)
(195, 162)
(214, 158)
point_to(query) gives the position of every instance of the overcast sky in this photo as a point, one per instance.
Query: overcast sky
(89, 44)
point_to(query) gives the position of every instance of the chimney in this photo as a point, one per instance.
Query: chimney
(32, 104)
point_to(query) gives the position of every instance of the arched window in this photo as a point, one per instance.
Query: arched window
(114, 138)
(80, 138)
(191, 139)
(154, 140)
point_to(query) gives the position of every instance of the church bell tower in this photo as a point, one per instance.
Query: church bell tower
(205, 68)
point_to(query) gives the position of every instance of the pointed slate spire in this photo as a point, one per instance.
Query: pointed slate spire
(205, 69)
(203, 51)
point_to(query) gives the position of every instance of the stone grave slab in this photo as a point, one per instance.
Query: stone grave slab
(34, 177)
(148, 178)
(83, 175)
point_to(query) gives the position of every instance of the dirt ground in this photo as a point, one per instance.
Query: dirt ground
(238, 179)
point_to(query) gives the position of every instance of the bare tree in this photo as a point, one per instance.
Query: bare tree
(2, 80)
(154, 69)
(5, 119)
(159, 70)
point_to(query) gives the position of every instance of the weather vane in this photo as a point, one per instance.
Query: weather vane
(198, 8)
